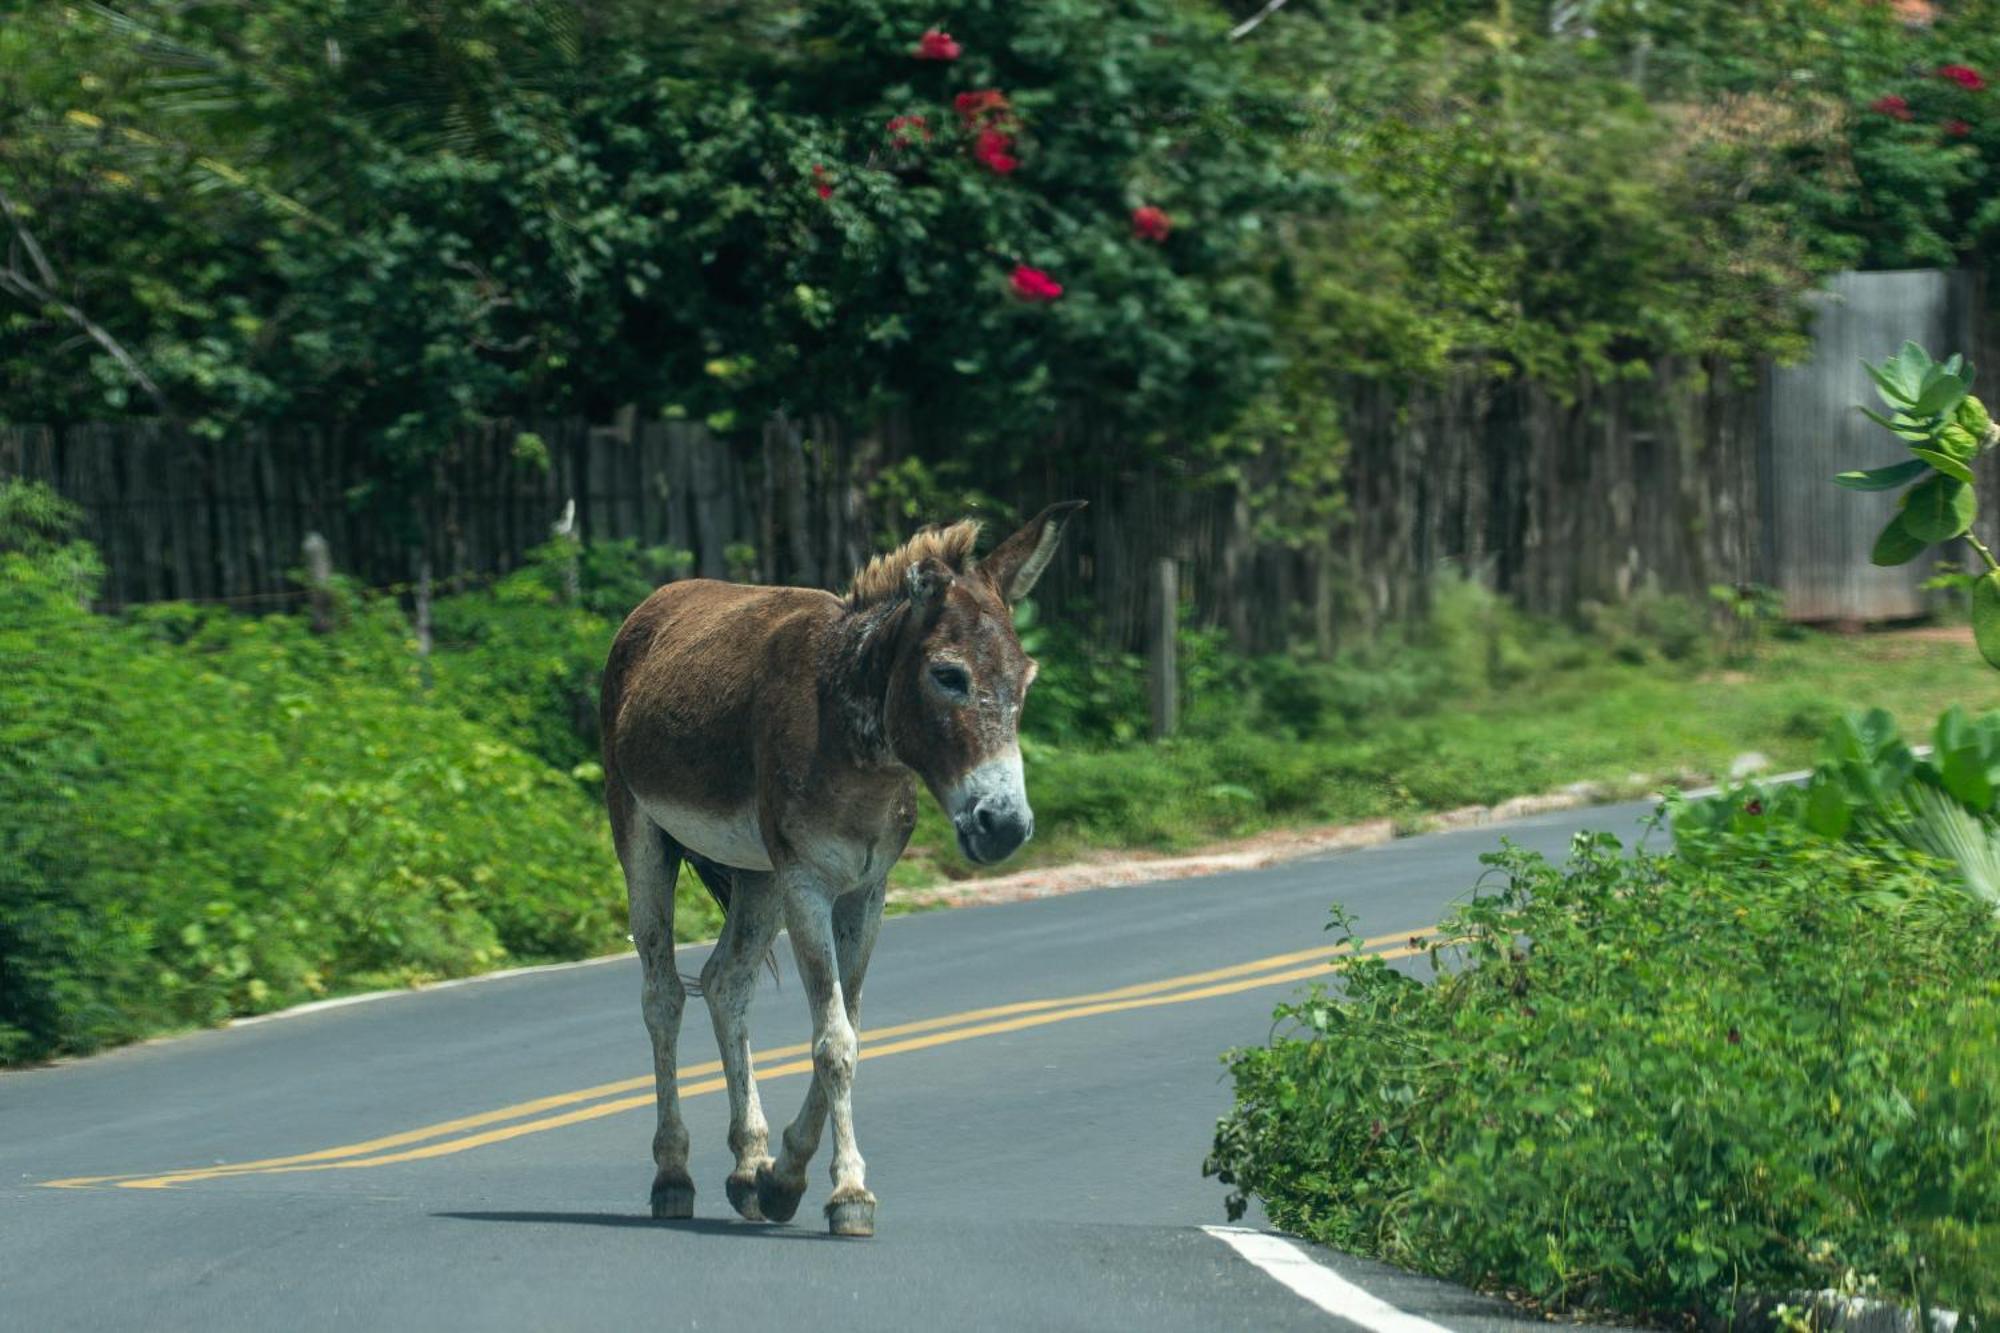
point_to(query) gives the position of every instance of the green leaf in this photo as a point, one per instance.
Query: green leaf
(1889, 383)
(1986, 617)
(1938, 509)
(1946, 464)
(1904, 427)
(1913, 366)
(1882, 478)
(1827, 812)
(1896, 546)
(1941, 393)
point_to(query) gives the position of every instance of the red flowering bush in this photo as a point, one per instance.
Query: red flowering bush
(1151, 224)
(995, 150)
(1892, 106)
(901, 128)
(822, 183)
(1031, 284)
(1963, 75)
(936, 45)
(1957, 129)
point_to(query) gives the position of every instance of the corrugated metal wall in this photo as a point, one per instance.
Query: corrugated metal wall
(1816, 535)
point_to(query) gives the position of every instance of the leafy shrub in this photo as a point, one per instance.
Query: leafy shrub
(1654, 1086)
(204, 815)
(1872, 786)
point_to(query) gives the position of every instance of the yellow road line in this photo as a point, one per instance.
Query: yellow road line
(956, 1027)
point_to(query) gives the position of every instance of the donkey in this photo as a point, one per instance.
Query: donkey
(772, 738)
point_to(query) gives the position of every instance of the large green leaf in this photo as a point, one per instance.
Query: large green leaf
(1944, 463)
(1986, 617)
(1882, 478)
(1941, 393)
(1896, 546)
(1905, 426)
(1889, 382)
(1938, 509)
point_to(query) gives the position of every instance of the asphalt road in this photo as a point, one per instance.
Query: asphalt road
(477, 1156)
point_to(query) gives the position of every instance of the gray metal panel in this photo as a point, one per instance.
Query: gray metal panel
(1820, 534)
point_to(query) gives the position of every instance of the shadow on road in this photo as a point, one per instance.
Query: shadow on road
(702, 1226)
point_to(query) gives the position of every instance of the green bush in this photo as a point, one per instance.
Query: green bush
(204, 815)
(1872, 786)
(1653, 1087)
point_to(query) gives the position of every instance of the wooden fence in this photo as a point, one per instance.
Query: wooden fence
(1684, 478)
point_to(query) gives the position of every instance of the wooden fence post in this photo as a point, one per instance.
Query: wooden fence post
(319, 582)
(1163, 683)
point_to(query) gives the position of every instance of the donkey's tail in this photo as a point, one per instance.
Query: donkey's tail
(720, 881)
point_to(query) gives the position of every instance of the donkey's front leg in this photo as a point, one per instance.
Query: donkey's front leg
(809, 918)
(729, 981)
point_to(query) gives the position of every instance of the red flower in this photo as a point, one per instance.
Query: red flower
(1151, 224)
(822, 183)
(935, 45)
(1957, 129)
(980, 109)
(1753, 807)
(901, 127)
(1031, 284)
(1963, 75)
(993, 150)
(1892, 106)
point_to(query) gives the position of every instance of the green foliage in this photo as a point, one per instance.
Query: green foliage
(204, 815)
(1933, 412)
(1946, 429)
(1872, 786)
(1652, 1086)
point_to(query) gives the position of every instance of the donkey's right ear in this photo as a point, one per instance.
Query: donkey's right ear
(927, 580)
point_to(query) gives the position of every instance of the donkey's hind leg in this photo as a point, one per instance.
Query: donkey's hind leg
(728, 983)
(652, 862)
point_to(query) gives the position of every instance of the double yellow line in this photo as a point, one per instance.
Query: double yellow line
(574, 1108)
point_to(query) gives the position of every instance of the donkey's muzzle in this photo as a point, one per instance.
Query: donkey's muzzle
(993, 830)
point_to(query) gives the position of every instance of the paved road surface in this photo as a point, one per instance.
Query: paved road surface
(477, 1156)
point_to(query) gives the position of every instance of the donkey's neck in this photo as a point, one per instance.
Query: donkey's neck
(854, 667)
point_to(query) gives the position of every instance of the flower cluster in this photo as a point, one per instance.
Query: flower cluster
(1031, 284)
(1151, 224)
(936, 45)
(1897, 107)
(902, 127)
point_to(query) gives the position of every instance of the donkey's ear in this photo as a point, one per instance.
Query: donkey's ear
(928, 578)
(1016, 563)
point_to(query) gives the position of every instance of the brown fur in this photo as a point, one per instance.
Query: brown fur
(886, 576)
(786, 728)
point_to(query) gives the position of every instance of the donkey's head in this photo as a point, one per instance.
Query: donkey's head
(953, 710)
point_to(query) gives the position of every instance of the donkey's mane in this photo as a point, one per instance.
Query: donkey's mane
(886, 577)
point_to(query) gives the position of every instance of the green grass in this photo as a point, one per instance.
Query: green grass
(1582, 717)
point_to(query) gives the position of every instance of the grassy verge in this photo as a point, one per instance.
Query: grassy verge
(1584, 716)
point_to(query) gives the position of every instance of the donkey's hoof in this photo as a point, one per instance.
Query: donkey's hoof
(742, 1188)
(673, 1196)
(777, 1199)
(852, 1217)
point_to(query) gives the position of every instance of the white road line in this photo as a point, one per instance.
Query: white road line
(1331, 1292)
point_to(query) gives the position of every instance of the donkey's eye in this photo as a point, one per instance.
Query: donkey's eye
(952, 679)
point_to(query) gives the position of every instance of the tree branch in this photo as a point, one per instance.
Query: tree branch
(1249, 25)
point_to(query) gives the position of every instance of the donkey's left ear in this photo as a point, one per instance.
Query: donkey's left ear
(1016, 563)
